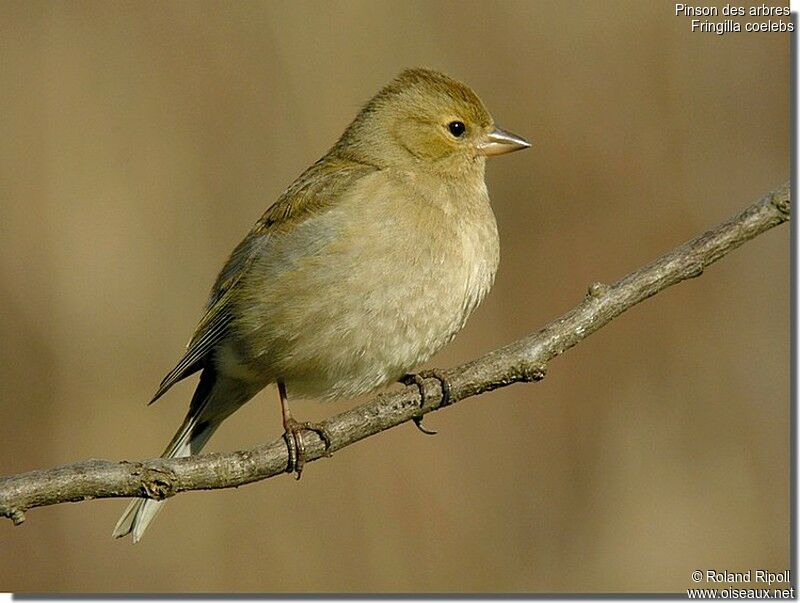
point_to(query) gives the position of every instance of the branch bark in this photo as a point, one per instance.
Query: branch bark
(524, 360)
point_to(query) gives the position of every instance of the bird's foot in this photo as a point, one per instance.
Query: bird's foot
(418, 379)
(294, 442)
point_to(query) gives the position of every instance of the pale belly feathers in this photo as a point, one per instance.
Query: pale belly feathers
(361, 293)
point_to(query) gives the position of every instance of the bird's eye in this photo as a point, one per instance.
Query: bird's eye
(457, 128)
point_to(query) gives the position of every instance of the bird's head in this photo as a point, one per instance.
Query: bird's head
(424, 117)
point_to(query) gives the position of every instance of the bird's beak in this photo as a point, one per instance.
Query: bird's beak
(500, 142)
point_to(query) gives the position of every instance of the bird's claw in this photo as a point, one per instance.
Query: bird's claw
(425, 430)
(294, 442)
(418, 379)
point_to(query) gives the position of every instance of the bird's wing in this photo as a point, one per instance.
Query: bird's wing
(317, 188)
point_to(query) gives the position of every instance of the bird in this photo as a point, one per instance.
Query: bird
(366, 265)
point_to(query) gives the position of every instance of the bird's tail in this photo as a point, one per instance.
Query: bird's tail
(197, 428)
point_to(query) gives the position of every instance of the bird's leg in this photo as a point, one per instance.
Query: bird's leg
(293, 434)
(418, 379)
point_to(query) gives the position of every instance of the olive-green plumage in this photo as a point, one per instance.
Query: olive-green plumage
(367, 264)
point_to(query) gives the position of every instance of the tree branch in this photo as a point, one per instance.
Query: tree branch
(522, 361)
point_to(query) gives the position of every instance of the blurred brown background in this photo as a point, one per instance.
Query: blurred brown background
(140, 141)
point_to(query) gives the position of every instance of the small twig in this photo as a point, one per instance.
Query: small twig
(521, 361)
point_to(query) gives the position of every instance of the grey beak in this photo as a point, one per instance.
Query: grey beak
(500, 142)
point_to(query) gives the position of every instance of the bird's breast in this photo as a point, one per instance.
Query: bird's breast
(366, 291)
